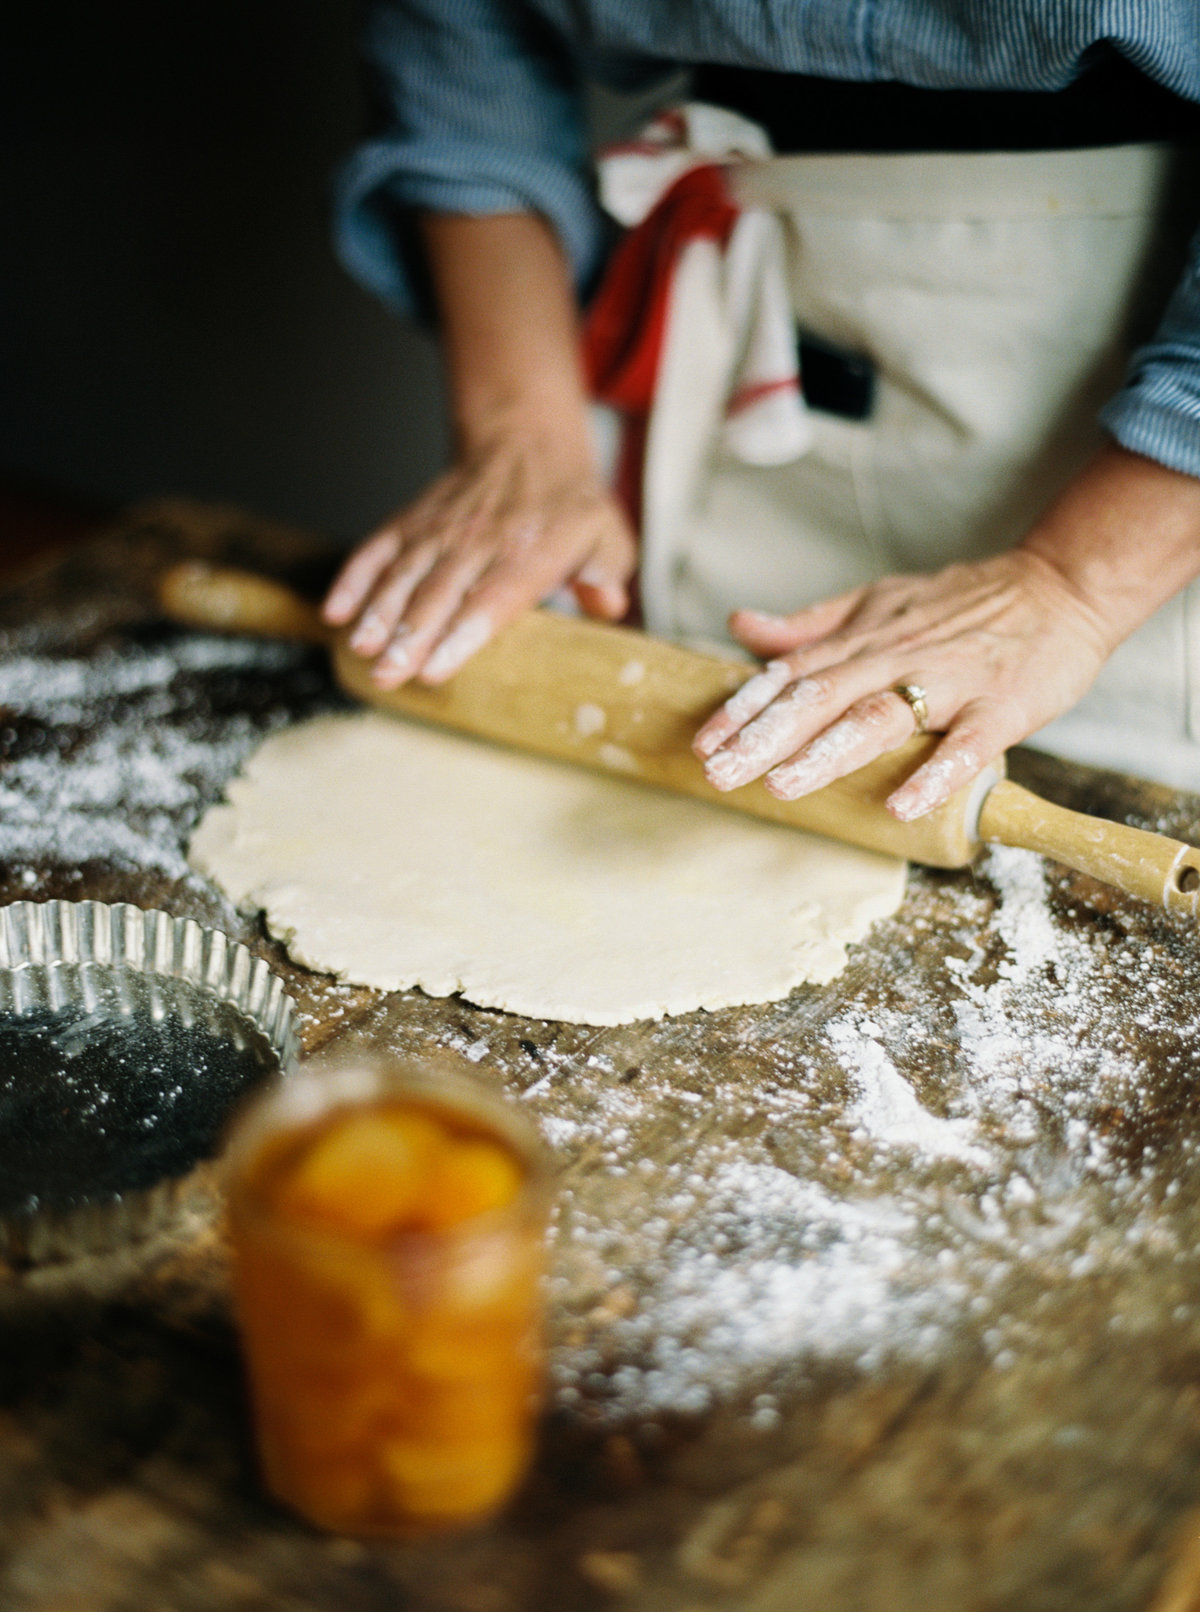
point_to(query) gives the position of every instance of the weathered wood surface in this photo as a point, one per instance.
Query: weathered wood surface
(986, 1394)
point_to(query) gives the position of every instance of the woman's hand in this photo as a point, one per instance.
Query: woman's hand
(516, 518)
(522, 510)
(1000, 647)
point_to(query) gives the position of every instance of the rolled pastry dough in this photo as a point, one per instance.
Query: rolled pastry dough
(394, 855)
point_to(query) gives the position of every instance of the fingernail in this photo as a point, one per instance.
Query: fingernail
(389, 673)
(931, 787)
(394, 665)
(817, 766)
(909, 807)
(766, 617)
(470, 635)
(905, 809)
(757, 692)
(796, 779)
(369, 636)
(726, 770)
(909, 803)
(707, 741)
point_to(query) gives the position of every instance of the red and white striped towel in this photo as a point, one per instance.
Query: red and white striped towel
(668, 189)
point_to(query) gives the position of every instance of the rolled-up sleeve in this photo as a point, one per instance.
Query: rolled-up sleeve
(1157, 412)
(481, 113)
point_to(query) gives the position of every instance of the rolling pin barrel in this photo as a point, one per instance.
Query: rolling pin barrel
(600, 696)
(616, 700)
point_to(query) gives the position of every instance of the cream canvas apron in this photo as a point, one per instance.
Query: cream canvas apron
(998, 297)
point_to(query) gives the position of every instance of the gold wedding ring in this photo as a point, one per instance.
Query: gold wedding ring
(913, 696)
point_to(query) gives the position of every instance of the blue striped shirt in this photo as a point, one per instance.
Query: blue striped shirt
(482, 112)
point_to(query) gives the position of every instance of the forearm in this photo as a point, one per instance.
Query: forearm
(1125, 536)
(522, 510)
(509, 328)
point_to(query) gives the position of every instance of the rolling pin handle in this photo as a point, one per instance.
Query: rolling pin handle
(1187, 878)
(223, 599)
(1187, 873)
(1150, 866)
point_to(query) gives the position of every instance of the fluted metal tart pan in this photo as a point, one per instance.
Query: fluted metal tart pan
(126, 1037)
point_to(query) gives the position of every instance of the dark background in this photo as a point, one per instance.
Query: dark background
(172, 318)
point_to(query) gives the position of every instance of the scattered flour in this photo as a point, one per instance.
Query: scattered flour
(887, 1108)
(912, 1215)
(110, 759)
(814, 1267)
(590, 720)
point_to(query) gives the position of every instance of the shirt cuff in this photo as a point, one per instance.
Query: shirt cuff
(1166, 429)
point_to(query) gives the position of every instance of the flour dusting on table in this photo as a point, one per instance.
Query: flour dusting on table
(803, 1234)
(824, 1208)
(110, 758)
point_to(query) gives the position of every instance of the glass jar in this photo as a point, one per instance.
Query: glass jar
(388, 1230)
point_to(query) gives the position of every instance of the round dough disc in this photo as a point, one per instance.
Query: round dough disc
(394, 855)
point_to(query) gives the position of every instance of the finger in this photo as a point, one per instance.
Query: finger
(607, 603)
(754, 696)
(382, 615)
(358, 576)
(768, 636)
(430, 602)
(982, 730)
(806, 707)
(470, 594)
(502, 592)
(601, 584)
(793, 718)
(870, 728)
(466, 636)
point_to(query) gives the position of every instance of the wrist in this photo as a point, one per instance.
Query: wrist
(1123, 537)
(556, 426)
(510, 331)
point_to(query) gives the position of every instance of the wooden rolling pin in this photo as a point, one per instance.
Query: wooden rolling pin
(617, 700)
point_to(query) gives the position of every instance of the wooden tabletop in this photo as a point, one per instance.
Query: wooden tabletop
(884, 1296)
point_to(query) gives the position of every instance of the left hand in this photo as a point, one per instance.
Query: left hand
(1000, 646)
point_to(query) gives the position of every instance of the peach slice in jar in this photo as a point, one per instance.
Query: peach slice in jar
(368, 1173)
(474, 1176)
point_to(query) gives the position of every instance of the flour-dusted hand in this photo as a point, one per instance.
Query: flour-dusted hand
(515, 519)
(522, 510)
(998, 647)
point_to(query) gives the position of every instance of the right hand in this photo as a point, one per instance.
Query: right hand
(516, 518)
